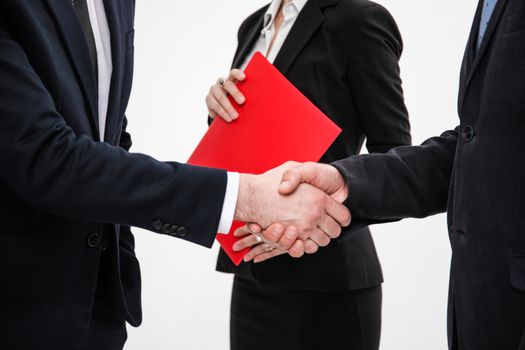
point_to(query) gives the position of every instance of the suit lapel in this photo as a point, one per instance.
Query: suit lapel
(246, 43)
(114, 16)
(473, 54)
(309, 20)
(78, 50)
(470, 53)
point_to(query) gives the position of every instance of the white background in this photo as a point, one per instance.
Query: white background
(184, 46)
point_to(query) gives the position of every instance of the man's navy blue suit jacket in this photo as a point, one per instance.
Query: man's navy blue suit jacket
(64, 195)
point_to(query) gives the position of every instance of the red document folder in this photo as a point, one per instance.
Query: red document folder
(276, 124)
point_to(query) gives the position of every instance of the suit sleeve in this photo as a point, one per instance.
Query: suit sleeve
(127, 240)
(374, 78)
(58, 171)
(409, 181)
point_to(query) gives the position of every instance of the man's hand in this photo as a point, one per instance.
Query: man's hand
(313, 213)
(323, 176)
(326, 178)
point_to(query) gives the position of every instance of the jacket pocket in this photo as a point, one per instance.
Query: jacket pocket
(517, 271)
(515, 23)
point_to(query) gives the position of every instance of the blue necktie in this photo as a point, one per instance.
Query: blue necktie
(486, 14)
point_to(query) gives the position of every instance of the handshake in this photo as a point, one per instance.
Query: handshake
(295, 208)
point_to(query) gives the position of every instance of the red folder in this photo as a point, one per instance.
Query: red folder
(277, 123)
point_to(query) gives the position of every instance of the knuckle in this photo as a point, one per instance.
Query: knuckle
(317, 213)
(318, 199)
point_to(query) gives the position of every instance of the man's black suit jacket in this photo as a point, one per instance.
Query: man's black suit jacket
(64, 195)
(475, 172)
(343, 55)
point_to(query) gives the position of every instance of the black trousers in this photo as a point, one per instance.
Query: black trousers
(263, 319)
(107, 329)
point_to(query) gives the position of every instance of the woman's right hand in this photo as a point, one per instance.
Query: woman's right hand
(217, 100)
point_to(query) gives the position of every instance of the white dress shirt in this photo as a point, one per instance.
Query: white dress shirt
(290, 11)
(100, 27)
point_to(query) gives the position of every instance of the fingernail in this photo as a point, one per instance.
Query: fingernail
(236, 247)
(242, 99)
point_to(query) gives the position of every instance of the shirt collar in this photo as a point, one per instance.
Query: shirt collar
(272, 11)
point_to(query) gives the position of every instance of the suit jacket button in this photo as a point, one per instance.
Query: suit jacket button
(157, 224)
(468, 133)
(166, 228)
(173, 230)
(94, 240)
(182, 231)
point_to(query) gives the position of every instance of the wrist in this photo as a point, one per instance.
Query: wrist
(243, 209)
(340, 186)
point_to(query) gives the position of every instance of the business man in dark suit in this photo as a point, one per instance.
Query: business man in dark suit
(344, 56)
(475, 172)
(69, 278)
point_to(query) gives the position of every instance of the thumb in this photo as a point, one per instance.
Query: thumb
(304, 173)
(291, 179)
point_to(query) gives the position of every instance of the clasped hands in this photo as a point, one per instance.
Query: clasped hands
(295, 209)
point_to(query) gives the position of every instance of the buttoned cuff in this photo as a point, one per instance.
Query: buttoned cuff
(230, 202)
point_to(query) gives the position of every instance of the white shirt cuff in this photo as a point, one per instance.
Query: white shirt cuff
(230, 202)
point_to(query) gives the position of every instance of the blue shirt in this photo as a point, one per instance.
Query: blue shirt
(486, 14)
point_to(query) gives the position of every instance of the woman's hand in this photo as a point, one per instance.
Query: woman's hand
(217, 99)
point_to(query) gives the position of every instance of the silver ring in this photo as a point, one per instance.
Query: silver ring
(269, 247)
(258, 238)
(221, 82)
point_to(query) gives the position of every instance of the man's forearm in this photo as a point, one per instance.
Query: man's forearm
(405, 182)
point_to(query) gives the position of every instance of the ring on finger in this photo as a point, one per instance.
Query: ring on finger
(258, 238)
(269, 247)
(222, 82)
